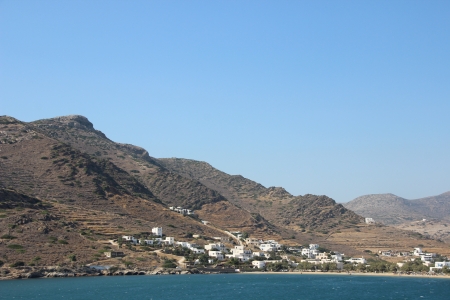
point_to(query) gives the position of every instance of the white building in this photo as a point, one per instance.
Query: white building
(169, 240)
(183, 211)
(157, 231)
(218, 246)
(129, 238)
(427, 256)
(323, 255)
(240, 253)
(417, 251)
(370, 221)
(216, 254)
(310, 253)
(197, 250)
(337, 256)
(253, 241)
(183, 244)
(361, 260)
(258, 264)
(267, 247)
(439, 265)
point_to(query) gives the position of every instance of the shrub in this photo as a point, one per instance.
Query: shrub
(17, 264)
(64, 242)
(15, 246)
(169, 264)
(7, 237)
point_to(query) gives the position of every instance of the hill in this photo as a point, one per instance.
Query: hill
(298, 213)
(390, 209)
(67, 190)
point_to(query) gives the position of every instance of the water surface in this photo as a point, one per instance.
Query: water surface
(228, 286)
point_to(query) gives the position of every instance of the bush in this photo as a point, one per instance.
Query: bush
(8, 237)
(17, 264)
(15, 246)
(1, 263)
(64, 242)
(169, 264)
(72, 257)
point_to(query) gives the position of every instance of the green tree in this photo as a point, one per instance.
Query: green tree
(203, 258)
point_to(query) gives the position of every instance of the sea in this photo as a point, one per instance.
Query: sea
(229, 286)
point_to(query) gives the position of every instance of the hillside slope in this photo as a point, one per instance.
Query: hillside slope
(300, 213)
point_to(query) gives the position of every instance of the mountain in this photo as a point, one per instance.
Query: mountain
(67, 190)
(391, 209)
(299, 213)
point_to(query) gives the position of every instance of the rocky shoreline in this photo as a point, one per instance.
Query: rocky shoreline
(55, 272)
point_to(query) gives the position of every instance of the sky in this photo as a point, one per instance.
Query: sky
(336, 98)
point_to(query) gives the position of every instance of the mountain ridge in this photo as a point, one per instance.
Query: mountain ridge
(391, 209)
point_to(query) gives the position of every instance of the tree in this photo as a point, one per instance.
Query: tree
(203, 258)
(169, 264)
(349, 267)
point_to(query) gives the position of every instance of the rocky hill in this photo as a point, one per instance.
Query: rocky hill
(390, 209)
(301, 213)
(66, 191)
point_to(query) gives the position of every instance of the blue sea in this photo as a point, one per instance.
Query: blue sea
(228, 286)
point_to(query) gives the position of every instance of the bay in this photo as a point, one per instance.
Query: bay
(229, 286)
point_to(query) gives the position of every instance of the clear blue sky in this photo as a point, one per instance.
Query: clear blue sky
(342, 98)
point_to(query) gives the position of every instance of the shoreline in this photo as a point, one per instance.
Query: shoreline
(58, 272)
(351, 274)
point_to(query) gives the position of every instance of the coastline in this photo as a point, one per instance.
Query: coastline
(59, 272)
(351, 274)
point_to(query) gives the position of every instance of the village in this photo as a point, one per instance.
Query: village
(251, 254)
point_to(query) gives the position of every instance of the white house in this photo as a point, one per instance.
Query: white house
(337, 256)
(361, 260)
(169, 240)
(310, 253)
(439, 265)
(240, 253)
(157, 231)
(267, 247)
(427, 256)
(258, 264)
(216, 254)
(183, 244)
(183, 211)
(370, 221)
(197, 250)
(129, 238)
(323, 255)
(253, 241)
(218, 246)
(417, 251)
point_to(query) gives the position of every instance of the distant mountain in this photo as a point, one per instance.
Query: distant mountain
(391, 209)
